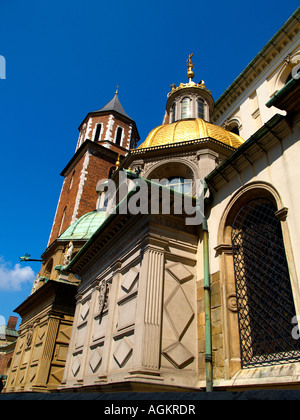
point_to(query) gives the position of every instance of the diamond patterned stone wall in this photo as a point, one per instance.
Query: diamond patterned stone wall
(179, 316)
(123, 352)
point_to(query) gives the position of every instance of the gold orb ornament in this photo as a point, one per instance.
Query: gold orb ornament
(190, 66)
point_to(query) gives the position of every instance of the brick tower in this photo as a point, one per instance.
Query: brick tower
(103, 135)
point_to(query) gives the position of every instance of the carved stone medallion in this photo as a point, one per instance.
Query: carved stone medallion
(232, 302)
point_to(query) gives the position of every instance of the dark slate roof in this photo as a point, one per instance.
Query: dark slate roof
(114, 105)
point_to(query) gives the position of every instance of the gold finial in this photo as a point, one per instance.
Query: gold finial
(190, 66)
(118, 163)
(117, 91)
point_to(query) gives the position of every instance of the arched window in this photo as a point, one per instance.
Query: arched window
(186, 108)
(265, 301)
(179, 184)
(62, 221)
(233, 126)
(235, 130)
(119, 135)
(106, 190)
(98, 132)
(48, 269)
(173, 112)
(72, 180)
(201, 109)
(102, 200)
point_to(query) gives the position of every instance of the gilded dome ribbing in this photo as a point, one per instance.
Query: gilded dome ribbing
(187, 130)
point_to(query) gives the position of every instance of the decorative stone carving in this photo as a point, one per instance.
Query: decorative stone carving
(96, 359)
(180, 272)
(103, 295)
(123, 352)
(29, 336)
(85, 310)
(232, 302)
(178, 355)
(288, 58)
(68, 254)
(35, 284)
(130, 279)
(179, 311)
(76, 365)
(282, 214)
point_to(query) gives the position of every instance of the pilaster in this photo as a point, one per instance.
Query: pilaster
(47, 354)
(149, 310)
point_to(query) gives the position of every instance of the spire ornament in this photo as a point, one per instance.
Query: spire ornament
(190, 66)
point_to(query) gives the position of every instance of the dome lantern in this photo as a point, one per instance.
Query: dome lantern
(189, 100)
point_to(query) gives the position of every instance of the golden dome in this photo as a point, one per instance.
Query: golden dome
(186, 130)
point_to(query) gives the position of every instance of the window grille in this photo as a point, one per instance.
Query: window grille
(264, 296)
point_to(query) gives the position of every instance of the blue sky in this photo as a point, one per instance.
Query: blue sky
(65, 58)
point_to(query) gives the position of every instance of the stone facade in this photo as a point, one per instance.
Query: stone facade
(136, 318)
(42, 346)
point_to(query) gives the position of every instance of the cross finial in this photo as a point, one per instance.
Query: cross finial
(117, 91)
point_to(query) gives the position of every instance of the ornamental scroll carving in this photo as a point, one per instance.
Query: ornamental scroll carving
(103, 296)
(29, 335)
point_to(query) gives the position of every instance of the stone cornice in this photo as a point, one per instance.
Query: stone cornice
(93, 147)
(255, 69)
(47, 295)
(271, 133)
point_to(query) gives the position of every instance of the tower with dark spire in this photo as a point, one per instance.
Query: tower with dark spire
(104, 135)
(111, 127)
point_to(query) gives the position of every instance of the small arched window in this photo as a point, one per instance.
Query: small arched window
(62, 221)
(119, 135)
(173, 112)
(233, 126)
(48, 269)
(201, 109)
(186, 108)
(235, 129)
(102, 201)
(98, 132)
(72, 180)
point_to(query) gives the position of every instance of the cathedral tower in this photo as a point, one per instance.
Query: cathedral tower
(103, 136)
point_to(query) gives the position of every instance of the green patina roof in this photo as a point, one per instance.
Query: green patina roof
(8, 332)
(85, 227)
